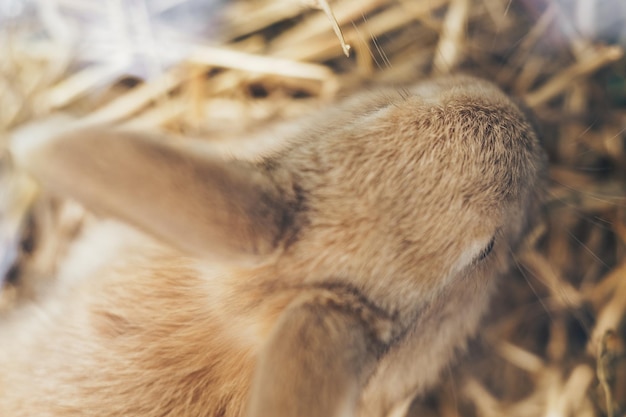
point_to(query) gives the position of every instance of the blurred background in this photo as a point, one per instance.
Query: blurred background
(554, 343)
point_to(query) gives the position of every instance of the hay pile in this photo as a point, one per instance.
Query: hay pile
(555, 343)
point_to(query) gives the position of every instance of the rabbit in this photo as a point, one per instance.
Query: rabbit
(334, 272)
(35, 232)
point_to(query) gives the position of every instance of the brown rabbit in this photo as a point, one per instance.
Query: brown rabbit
(333, 275)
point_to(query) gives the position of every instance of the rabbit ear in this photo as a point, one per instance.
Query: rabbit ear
(199, 203)
(318, 357)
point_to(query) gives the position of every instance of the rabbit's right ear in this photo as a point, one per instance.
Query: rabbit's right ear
(201, 204)
(319, 355)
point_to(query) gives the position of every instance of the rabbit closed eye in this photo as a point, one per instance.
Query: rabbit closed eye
(335, 275)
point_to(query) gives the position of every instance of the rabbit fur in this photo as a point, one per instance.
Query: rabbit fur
(334, 273)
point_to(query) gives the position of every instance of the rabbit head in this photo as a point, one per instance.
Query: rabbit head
(382, 222)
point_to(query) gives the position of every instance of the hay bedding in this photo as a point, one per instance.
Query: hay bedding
(554, 343)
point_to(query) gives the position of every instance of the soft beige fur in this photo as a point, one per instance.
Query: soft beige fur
(333, 275)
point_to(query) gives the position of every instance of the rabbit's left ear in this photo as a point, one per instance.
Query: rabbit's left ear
(320, 354)
(208, 207)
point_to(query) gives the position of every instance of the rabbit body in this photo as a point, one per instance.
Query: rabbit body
(333, 275)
